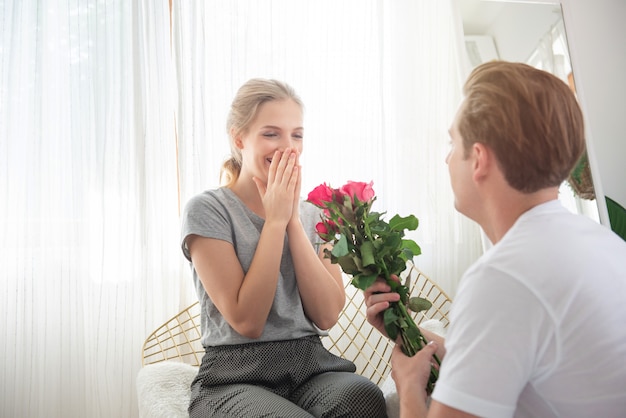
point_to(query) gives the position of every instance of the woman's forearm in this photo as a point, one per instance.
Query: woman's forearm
(317, 280)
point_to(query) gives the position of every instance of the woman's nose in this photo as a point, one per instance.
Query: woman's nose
(287, 143)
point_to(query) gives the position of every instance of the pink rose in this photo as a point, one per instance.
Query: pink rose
(360, 190)
(321, 194)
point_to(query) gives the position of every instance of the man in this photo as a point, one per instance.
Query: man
(538, 325)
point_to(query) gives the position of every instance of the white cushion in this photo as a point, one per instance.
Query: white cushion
(164, 389)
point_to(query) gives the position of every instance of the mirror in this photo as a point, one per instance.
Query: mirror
(531, 32)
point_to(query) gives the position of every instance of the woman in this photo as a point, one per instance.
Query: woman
(265, 291)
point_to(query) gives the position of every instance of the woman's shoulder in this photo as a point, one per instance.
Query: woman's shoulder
(210, 195)
(207, 199)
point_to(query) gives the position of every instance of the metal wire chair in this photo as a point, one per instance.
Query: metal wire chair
(352, 337)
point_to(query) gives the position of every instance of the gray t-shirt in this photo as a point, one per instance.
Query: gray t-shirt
(219, 214)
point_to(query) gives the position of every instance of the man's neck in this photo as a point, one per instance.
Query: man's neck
(502, 213)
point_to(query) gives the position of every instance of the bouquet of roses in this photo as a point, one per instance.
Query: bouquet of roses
(366, 247)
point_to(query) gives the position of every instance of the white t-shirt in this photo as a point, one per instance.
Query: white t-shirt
(538, 325)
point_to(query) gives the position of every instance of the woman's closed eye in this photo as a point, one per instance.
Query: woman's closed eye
(297, 136)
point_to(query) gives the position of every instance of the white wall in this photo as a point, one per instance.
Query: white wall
(533, 20)
(596, 32)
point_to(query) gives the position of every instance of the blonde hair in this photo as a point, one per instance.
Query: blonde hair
(243, 110)
(528, 117)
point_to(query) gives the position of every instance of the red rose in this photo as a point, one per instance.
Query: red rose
(360, 190)
(326, 230)
(339, 196)
(321, 228)
(321, 194)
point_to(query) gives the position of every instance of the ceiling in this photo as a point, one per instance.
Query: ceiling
(479, 15)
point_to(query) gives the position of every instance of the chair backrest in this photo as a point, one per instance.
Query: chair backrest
(352, 338)
(177, 339)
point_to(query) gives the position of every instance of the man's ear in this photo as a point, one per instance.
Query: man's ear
(482, 161)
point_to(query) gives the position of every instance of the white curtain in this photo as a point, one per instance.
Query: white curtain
(380, 84)
(89, 260)
(105, 132)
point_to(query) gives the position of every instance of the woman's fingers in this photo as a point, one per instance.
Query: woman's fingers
(271, 175)
(283, 178)
(285, 168)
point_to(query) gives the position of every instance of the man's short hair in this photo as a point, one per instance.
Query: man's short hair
(528, 117)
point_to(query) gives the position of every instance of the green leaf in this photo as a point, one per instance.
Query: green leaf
(360, 211)
(390, 316)
(404, 292)
(329, 254)
(348, 264)
(412, 333)
(363, 281)
(411, 245)
(389, 319)
(406, 255)
(367, 253)
(393, 241)
(617, 217)
(417, 304)
(399, 223)
(340, 249)
(397, 266)
(373, 218)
